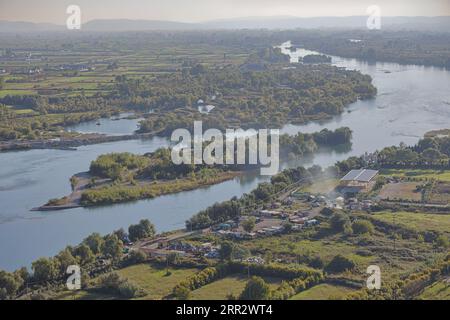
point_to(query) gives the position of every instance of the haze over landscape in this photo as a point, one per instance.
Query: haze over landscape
(214, 14)
(225, 150)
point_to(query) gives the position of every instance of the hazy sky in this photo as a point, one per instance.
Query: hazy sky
(203, 10)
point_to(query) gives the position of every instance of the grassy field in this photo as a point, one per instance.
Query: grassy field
(443, 175)
(417, 221)
(439, 290)
(395, 259)
(82, 295)
(324, 186)
(324, 248)
(154, 280)
(323, 291)
(220, 289)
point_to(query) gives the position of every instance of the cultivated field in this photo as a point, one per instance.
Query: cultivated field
(440, 193)
(442, 175)
(323, 291)
(401, 191)
(231, 285)
(419, 222)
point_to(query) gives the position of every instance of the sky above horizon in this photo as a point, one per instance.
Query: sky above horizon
(54, 11)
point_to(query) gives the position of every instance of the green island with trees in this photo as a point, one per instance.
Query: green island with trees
(122, 177)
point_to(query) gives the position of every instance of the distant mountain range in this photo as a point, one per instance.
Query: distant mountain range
(276, 22)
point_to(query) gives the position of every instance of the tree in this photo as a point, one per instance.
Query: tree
(255, 289)
(431, 155)
(44, 269)
(362, 227)
(1, 83)
(84, 253)
(240, 252)
(23, 274)
(137, 256)
(94, 242)
(121, 234)
(249, 224)
(339, 222)
(65, 259)
(9, 284)
(326, 211)
(112, 247)
(226, 250)
(339, 264)
(144, 229)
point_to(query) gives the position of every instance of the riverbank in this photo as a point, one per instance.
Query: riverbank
(406, 106)
(70, 143)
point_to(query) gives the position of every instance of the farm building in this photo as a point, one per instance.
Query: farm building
(356, 181)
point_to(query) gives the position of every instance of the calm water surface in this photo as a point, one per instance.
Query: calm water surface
(411, 100)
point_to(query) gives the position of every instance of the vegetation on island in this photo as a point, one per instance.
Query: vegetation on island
(316, 58)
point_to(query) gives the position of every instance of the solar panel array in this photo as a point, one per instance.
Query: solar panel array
(362, 175)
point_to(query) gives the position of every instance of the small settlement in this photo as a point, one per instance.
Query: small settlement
(295, 210)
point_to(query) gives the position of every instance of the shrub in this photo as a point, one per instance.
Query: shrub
(339, 264)
(137, 256)
(316, 263)
(255, 289)
(362, 227)
(112, 283)
(181, 293)
(442, 241)
(339, 222)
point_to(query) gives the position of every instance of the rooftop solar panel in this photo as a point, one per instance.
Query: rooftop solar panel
(364, 175)
(351, 175)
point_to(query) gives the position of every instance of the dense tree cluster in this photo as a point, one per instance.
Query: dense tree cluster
(144, 229)
(114, 165)
(316, 58)
(272, 97)
(86, 254)
(304, 143)
(404, 47)
(429, 152)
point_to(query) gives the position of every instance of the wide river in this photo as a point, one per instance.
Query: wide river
(411, 100)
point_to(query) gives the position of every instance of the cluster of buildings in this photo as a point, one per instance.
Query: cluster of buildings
(76, 67)
(186, 247)
(182, 248)
(29, 71)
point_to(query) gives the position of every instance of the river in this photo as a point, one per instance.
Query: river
(411, 100)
